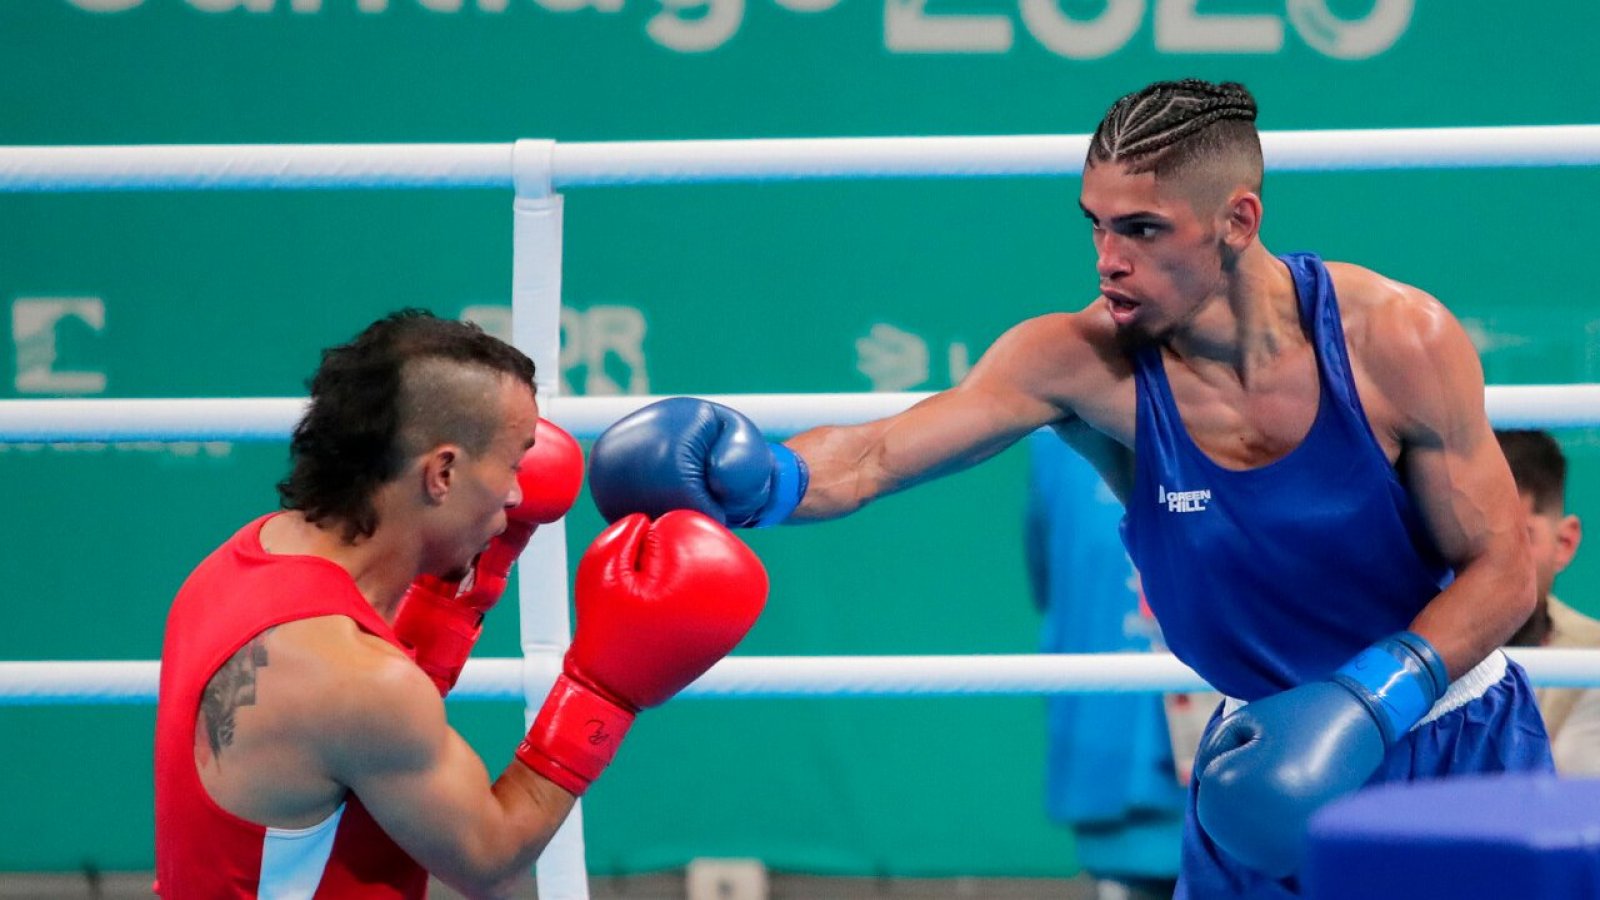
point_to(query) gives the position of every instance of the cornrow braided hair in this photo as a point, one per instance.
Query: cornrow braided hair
(1145, 127)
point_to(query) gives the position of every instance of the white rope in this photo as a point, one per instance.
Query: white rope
(391, 166)
(185, 419)
(965, 157)
(752, 677)
(273, 418)
(281, 166)
(1543, 406)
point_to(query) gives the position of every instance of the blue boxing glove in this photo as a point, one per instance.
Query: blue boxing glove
(684, 453)
(1265, 769)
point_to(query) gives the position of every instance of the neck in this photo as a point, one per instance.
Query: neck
(1251, 319)
(380, 566)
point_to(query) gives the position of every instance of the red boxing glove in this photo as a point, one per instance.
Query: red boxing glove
(550, 476)
(439, 618)
(657, 605)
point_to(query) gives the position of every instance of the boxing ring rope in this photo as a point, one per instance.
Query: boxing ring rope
(775, 677)
(273, 418)
(535, 170)
(396, 166)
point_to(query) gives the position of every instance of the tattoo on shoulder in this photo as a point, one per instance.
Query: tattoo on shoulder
(233, 686)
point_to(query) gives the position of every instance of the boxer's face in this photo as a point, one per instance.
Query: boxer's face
(485, 484)
(1158, 257)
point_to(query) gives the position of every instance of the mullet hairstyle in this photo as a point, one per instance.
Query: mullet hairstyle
(407, 382)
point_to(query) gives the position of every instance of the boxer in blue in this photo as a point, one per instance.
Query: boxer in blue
(1327, 530)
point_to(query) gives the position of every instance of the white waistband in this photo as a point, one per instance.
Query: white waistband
(1463, 690)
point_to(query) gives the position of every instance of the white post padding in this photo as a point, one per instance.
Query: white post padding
(561, 872)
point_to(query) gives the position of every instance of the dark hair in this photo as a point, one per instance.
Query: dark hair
(1166, 126)
(409, 382)
(1539, 467)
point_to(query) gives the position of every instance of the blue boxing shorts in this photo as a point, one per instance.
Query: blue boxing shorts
(1487, 722)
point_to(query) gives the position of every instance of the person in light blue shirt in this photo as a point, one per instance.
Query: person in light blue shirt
(1110, 774)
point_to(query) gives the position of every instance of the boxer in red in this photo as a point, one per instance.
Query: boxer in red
(301, 742)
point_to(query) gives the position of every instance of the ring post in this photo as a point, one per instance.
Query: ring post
(542, 574)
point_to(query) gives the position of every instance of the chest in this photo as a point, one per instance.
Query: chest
(1237, 423)
(1247, 423)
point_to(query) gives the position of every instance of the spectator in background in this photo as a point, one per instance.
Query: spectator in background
(1572, 715)
(1111, 774)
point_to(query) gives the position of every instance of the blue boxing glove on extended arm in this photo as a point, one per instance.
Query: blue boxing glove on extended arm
(1265, 769)
(684, 453)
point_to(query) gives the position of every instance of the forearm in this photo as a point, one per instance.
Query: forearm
(1489, 599)
(533, 810)
(853, 465)
(844, 464)
(522, 813)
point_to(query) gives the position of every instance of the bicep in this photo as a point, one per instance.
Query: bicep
(1464, 492)
(428, 790)
(1449, 456)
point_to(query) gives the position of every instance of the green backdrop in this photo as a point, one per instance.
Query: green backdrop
(693, 289)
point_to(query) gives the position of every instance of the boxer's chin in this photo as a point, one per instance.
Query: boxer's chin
(1135, 333)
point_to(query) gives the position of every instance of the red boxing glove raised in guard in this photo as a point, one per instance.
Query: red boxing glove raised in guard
(658, 603)
(441, 618)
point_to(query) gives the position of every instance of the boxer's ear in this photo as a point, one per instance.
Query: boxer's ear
(1241, 219)
(438, 471)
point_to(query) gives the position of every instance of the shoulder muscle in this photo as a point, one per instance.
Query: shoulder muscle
(1057, 360)
(1415, 353)
(362, 702)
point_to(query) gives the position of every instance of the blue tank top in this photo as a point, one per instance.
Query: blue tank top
(1266, 578)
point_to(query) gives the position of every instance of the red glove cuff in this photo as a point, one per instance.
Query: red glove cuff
(575, 735)
(492, 570)
(440, 630)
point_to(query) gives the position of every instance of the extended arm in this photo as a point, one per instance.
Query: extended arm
(694, 454)
(953, 430)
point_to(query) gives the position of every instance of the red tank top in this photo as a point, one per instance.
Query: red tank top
(202, 850)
